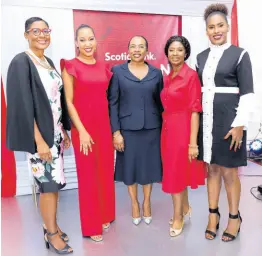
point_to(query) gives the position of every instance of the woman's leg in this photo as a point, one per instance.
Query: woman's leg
(59, 230)
(132, 190)
(147, 189)
(233, 189)
(185, 202)
(48, 208)
(178, 202)
(214, 182)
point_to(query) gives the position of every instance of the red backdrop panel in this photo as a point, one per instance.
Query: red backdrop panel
(234, 25)
(114, 30)
(8, 166)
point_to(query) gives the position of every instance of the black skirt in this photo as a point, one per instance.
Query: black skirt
(224, 113)
(141, 160)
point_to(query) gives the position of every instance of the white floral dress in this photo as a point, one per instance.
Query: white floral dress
(50, 176)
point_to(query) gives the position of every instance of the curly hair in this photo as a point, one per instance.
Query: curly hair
(216, 9)
(183, 41)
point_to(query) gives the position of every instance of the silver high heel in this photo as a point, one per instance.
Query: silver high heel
(136, 221)
(147, 220)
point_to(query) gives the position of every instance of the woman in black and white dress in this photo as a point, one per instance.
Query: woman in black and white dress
(227, 85)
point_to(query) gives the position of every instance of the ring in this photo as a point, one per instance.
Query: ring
(240, 141)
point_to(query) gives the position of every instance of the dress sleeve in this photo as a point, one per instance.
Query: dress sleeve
(20, 108)
(68, 65)
(245, 107)
(195, 94)
(113, 99)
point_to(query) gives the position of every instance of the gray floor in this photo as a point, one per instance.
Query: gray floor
(22, 234)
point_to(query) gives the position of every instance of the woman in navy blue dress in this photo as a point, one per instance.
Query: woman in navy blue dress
(135, 115)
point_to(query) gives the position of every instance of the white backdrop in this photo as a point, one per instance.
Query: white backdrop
(178, 7)
(61, 21)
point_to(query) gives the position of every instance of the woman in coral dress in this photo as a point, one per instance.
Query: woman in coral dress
(181, 101)
(86, 81)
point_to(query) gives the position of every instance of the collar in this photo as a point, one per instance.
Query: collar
(222, 47)
(182, 72)
(151, 72)
(125, 65)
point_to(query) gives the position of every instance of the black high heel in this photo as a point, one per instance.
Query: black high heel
(63, 236)
(213, 234)
(48, 244)
(228, 235)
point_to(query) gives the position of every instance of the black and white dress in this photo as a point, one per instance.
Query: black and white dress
(227, 93)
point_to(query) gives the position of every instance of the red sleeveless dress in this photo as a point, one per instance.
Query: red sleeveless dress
(95, 171)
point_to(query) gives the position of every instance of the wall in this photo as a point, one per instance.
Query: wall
(177, 7)
(249, 23)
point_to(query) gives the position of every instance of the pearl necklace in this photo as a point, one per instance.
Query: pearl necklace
(43, 63)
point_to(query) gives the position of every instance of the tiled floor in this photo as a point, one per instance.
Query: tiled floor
(22, 234)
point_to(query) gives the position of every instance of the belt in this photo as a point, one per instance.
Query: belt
(215, 89)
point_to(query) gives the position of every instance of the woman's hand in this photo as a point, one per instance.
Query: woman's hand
(44, 151)
(67, 141)
(85, 142)
(192, 152)
(118, 141)
(237, 135)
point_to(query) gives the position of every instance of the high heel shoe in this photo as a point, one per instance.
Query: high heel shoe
(48, 244)
(173, 232)
(97, 239)
(188, 214)
(209, 232)
(63, 236)
(147, 219)
(136, 221)
(106, 225)
(228, 235)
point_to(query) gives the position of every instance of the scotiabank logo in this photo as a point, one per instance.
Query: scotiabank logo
(165, 68)
(125, 56)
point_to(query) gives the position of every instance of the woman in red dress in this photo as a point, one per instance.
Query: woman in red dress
(86, 81)
(181, 101)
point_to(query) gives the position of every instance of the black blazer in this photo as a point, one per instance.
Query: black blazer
(135, 104)
(27, 101)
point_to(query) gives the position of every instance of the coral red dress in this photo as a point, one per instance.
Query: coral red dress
(180, 97)
(95, 171)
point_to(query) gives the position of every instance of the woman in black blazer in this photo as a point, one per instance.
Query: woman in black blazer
(135, 115)
(36, 122)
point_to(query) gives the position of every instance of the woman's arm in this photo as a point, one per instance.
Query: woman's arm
(85, 139)
(195, 108)
(113, 100)
(42, 148)
(244, 110)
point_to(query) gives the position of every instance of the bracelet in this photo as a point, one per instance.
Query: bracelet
(193, 146)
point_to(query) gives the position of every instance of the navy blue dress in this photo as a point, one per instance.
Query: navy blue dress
(135, 109)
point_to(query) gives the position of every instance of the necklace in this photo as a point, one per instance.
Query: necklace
(43, 63)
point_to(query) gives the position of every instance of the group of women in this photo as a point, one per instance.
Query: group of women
(163, 130)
